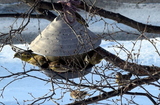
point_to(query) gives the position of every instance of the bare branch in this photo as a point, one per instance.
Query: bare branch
(120, 91)
(119, 18)
(99, 11)
(18, 74)
(2, 103)
(141, 70)
(50, 17)
(142, 94)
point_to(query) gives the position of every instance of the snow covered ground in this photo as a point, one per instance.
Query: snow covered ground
(22, 88)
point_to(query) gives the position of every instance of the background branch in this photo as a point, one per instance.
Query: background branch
(101, 12)
(19, 15)
(120, 91)
(142, 94)
(140, 70)
(120, 18)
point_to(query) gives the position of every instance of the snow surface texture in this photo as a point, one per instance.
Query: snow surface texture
(21, 89)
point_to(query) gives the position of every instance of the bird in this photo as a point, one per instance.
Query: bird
(93, 58)
(76, 94)
(57, 66)
(123, 79)
(32, 58)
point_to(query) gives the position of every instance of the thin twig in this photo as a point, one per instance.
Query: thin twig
(143, 94)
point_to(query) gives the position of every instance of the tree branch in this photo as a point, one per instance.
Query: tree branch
(18, 15)
(142, 94)
(119, 18)
(43, 8)
(141, 70)
(101, 12)
(120, 91)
